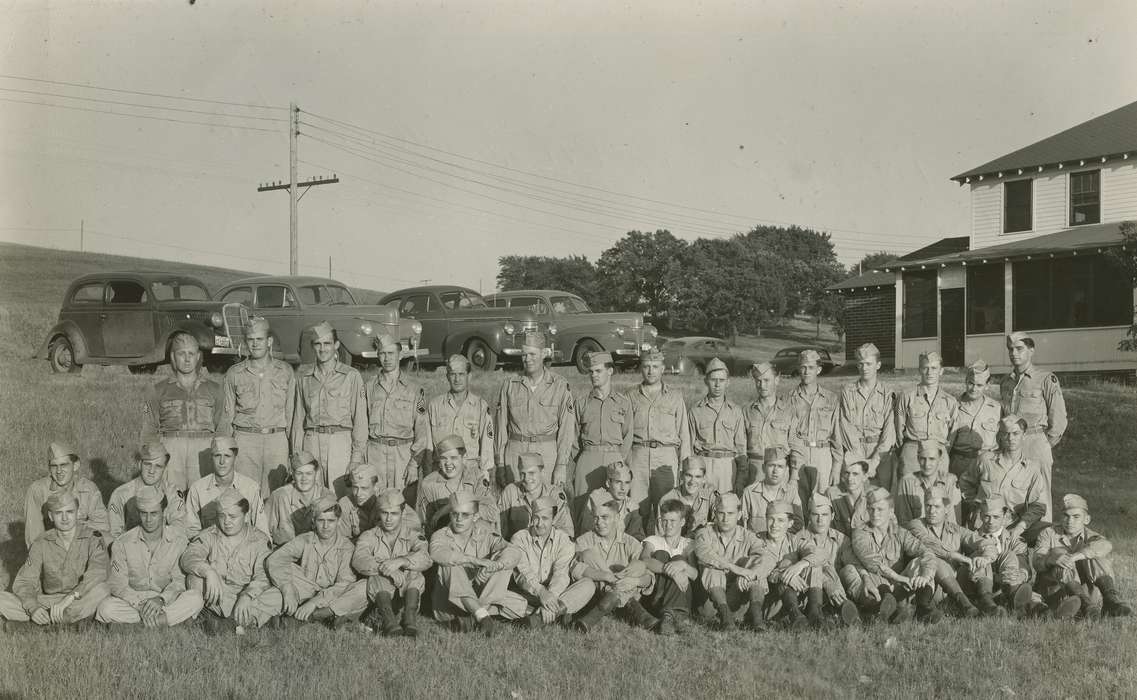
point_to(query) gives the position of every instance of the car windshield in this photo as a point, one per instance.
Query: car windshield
(325, 295)
(674, 345)
(570, 305)
(459, 299)
(166, 290)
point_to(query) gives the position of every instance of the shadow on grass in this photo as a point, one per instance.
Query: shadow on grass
(12, 551)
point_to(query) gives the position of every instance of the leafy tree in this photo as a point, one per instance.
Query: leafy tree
(809, 264)
(572, 274)
(640, 273)
(1126, 259)
(729, 286)
(871, 262)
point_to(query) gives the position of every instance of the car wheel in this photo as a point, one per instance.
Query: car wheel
(62, 357)
(580, 355)
(481, 356)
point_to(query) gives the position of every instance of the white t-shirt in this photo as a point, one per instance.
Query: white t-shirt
(659, 543)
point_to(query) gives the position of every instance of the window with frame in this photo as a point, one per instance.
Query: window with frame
(275, 297)
(88, 294)
(1081, 292)
(415, 304)
(125, 292)
(1017, 205)
(1085, 197)
(920, 319)
(986, 299)
(239, 295)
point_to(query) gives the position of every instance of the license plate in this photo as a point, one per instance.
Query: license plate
(222, 341)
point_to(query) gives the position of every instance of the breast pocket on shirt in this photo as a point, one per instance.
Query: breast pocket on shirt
(279, 396)
(399, 415)
(170, 412)
(248, 396)
(472, 430)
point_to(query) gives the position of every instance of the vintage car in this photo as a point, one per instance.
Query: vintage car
(786, 359)
(457, 320)
(127, 318)
(690, 355)
(579, 330)
(294, 304)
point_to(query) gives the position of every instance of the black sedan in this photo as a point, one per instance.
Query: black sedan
(786, 359)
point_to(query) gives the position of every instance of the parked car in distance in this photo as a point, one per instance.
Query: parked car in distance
(690, 355)
(580, 330)
(294, 304)
(127, 318)
(458, 320)
(786, 359)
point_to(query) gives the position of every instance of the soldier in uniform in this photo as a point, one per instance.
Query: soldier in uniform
(693, 492)
(813, 430)
(850, 507)
(810, 568)
(718, 430)
(474, 568)
(122, 508)
(926, 412)
(64, 578)
(1009, 474)
(730, 565)
(312, 571)
(865, 419)
(976, 423)
(260, 398)
(185, 410)
(146, 584)
(1036, 396)
(767, 423)
(661, 436)
(225, 563)
(202, 500)
(604, 422)
(330, 416)
(63, 475)
(461, 412)
(999, 558)
(397, 422)
(287, 507)
(516, 502)
(453, 475)
(393, 557)
(945, 540)
(774, 487)
(616, 488)
(931, 475)
(534, 414)
(544, 568)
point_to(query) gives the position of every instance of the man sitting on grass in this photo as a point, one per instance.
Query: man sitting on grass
(671, 557)
(618, 488)
(515, 503)
(945, 540)
(810, 568)
(730, 564)
(63, 475)
(773, 487)
(999, 557)
(694, 492)
(544, 570)
(288, 506)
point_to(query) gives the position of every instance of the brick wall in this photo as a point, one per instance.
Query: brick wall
(871, 318)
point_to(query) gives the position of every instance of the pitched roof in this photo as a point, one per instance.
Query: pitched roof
(882, 277)
(1113, 133)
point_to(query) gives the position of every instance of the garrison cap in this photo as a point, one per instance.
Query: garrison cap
(390, 498)
(321, 505)
(229, 498)
(462, 499)
(653, 355)
(979, 371)
(1011, 420)
(937, 493)
(385, 341)
(716, 365)
(759, 368)
(855, 457)
(877, 495)
(363, 474)
(60, 499)
(184, 340)
(222, 443)
(818, 502)
(323, 329)
(809, 357)
(599, 359)
(303, 458)
(148, 497)
(153, 452)
(927, 448)
(530, 459)
(867, 351)
(599, 498)
(450, 442)
(256, 324)
(1072, 501)
(457, 359)
(1018, 336)
(774, 454)
(691, 465)
(931, 356)
(726, 500)
(780, 507)
(994, 503)
(59, 450)
(613, 470)
(534, 340)
(543, 504)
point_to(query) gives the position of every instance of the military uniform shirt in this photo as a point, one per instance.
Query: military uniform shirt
(201, 506)
(1020, 483)
(910, 495)
(976, 425)
(865, 421)
(767, 425)
(434, 490)
(53, 567)
(448, 548)
(325, 564)
(467, 415)
(515, 508)
(334, 400)
(544, 411)
(544, 563)
(288, 511)
(924, 416)
(170, 408)
(375, 547)
(397, 410)
(720, 427)
(876, 550)
(661, 417)
(258, 398)
(90, 512)
(1036, 397)
(620, 549)
(849, 511)
(814, 419)
(715, 549)
(239, 561)
(757, 497)
(139, 572)
(605, 421)
(123, 512)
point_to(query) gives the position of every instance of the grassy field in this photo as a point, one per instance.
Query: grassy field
(99, 412)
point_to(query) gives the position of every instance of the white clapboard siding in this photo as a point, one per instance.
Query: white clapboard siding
(1119, 191)
(986, 213)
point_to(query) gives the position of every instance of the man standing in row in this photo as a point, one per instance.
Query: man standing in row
(604, 422)
(865, 422)
(926, 412)
(661, 436)
(813, 440)
(461, 412)
(396, 414)
(718, 430)
(767, 423)
(977, 422)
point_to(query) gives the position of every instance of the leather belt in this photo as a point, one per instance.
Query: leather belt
(257, 431)
(715, 454)
(817, 444)
(652, 444)
(532, 438)
(188, 433)
(329, 429)
(603, 448)
(392, 442)
(1035, 430)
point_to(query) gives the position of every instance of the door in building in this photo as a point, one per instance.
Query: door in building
(951, 327)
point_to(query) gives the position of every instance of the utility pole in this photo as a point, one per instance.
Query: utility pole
(329, 267)
(293, 186)
(82, 225)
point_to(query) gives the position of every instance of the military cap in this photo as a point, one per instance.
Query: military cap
(230, 497)
(725, 501)
(184, 340)
(855, 457)
(390, 498)
(780, 507)
(385, 341)
(937, 493)
(759, 368)
(1018, 336)
(716, 365)
(323, 329)
(926, 448)
(690, 465)
(979, 371)
(876, 495)
(931, 356)
(61, 499)
(599, 359)
(148, 497)
(544, 504)
(818, 502)
(59, 450)
(322, 504)
(534, 340)
(222, 443)
(808, 357)
(457, 359)
(602, 498)
(153, 452)
(256, 324)
(994, 503)
(616, 468)
(1011, 420)
(461, 499)
(530, 459)
(450, 442)
(868, 351)
(363, 474)
(774, 454)
(1072, 501)
(652, 355)
(303, 458)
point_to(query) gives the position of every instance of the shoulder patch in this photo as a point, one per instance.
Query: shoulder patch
(1052, 379)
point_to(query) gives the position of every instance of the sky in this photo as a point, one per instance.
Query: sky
(464, 131)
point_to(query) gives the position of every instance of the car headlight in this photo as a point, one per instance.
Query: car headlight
(416, 328)
(552, 329)
(365, 328)
(216, 319)
(619, 331)
(509, 329)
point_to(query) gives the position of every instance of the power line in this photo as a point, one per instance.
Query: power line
(139, 92)
(145, 106)
(139, 116)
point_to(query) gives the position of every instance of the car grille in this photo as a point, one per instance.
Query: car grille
(235, 316)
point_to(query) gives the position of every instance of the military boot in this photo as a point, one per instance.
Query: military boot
(1112, 605)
